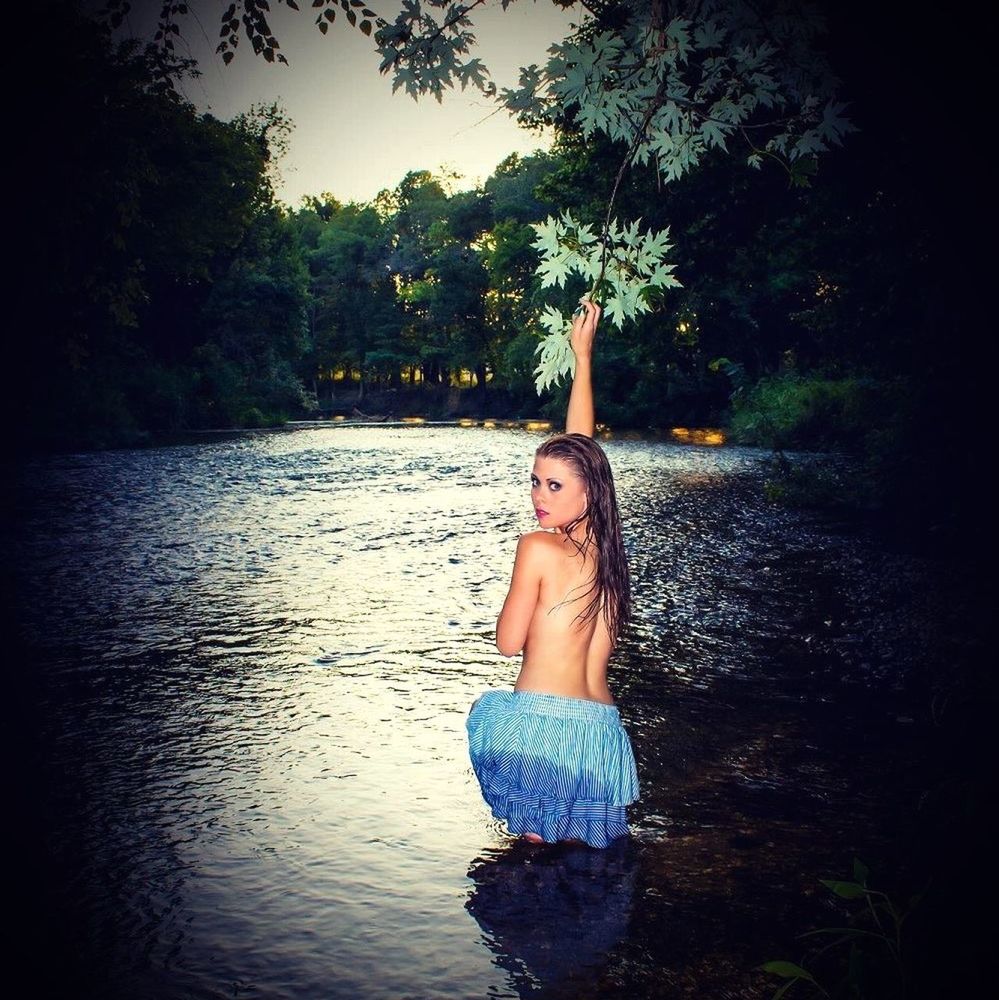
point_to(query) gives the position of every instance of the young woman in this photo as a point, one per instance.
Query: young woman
(551, 755)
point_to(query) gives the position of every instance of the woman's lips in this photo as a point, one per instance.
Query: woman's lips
(540, 513)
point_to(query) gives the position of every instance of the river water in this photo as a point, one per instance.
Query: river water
(252, 659)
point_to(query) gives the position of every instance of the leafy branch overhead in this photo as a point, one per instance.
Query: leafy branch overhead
(669, 81)
(674, 79)
(623, 268)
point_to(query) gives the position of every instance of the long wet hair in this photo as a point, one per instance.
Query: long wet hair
(610, 588)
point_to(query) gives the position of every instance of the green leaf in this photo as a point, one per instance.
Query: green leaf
(552, 320)
(473, 72)
(656, 244)
(548, 232)
(709, 35)
(678, 34)
(845, 890)
(787, 970)
(614, 310)
(663, 277)
(557, 360)
(553, 271)
(713, 135)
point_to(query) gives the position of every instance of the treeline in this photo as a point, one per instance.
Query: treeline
(162, 287)
(159, 284)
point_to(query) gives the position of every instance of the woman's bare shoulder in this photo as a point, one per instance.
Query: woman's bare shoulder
(541, 539)
(540, 544)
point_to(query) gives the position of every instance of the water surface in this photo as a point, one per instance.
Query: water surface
(254, 658)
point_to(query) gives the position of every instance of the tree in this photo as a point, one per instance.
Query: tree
(513, 187)
(512, 299)
(136, 204)
(354, 319)
(455, 297)
(249, 364)
(668, 80)
(416, 206)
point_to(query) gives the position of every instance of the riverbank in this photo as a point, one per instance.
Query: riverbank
(712, 436)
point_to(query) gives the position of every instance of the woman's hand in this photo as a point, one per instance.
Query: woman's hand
(580, 417)
(584, 328)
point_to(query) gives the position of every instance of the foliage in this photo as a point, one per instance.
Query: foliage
(513, 186)
(792, 411)
(439, 282)
(874, 962)
(144, 212)
(353, 317)
(455, 297)
(255, 318)
(671, 90)
(668, 85)
(625, 287)
(668, 82)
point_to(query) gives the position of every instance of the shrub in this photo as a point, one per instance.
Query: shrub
(795, 412)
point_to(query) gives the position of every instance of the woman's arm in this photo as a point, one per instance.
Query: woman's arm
(521, 600)
(580, 418)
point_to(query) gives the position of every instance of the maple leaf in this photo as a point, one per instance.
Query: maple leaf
(553, 271)
(548, 232)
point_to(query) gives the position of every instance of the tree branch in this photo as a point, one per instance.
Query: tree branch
(423, 41)
(657, 101)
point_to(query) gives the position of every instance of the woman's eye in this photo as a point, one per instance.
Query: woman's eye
(555, 487)
(535, 481)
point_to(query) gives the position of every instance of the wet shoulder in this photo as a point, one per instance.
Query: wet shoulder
(540, 546)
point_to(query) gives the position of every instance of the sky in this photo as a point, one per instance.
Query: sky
(352, 136)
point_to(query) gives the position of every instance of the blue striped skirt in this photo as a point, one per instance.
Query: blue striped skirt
(559, 767)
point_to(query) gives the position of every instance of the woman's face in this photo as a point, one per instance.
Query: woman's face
(557, 492)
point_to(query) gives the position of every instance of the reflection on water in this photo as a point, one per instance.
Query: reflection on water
(253, 661)
(551, 914)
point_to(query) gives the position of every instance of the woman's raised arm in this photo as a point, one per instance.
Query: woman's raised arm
(580, 418)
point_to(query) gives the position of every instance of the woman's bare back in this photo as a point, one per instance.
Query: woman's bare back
(563, 655)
